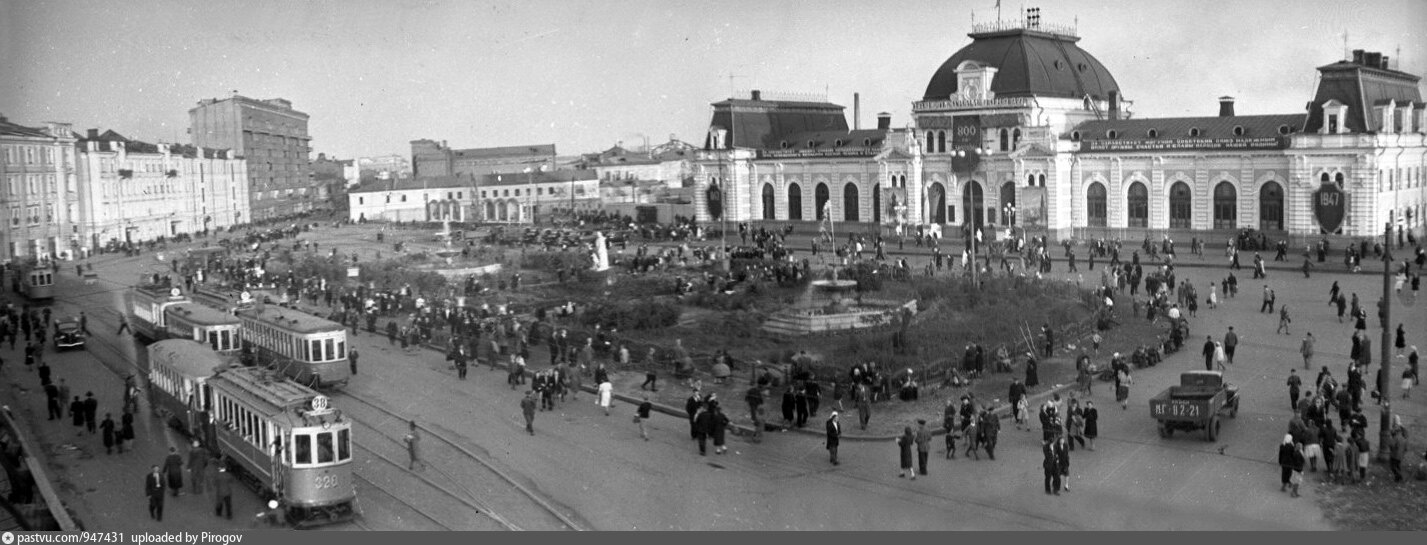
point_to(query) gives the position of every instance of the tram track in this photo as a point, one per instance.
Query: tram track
(470, 478)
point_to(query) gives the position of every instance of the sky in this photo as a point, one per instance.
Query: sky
(584, 75)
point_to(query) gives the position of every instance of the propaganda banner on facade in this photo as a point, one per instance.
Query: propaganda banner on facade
(965, 138)
(1032, 211)
(894, 205)
(714, 197)
(1330, 207)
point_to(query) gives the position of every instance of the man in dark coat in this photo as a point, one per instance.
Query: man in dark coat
(1209, 353)
(1051, 465)
(948, 425)
(924, 445)
(834, 435)
(197, 467)
(691, 407)
(173, 468)
(107, 432)
(154, 489)
(703, 423)
(1032, 375)
(223, 493)
(989, 428)
(91, 411)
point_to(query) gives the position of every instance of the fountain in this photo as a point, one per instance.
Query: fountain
(825, 307)
(451, 270)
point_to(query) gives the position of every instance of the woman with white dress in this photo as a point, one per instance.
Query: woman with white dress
(1213, 296)
(606, 396)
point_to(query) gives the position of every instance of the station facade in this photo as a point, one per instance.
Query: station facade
(1022, 127)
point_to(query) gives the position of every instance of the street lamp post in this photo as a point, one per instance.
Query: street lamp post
(971, 214)
(1384, 385)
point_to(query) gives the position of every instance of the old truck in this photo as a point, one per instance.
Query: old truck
(1200, 400)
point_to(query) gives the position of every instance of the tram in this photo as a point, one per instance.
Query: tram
(220, 330)
(178, 373)
(147, 303)
(34, 281)
(279, 437)
(310, 350)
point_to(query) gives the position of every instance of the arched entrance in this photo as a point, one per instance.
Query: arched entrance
(1008, 202)
(1225, 206)
(1271, 207)
(1095, 205)
(490, 211)
(819, 201)
(795, 202)
(876, 203)
(1138, 205)
(1181, 206)
(972, 200)
(850, 202)
(769, 212)
(936, 199)
(512, 208)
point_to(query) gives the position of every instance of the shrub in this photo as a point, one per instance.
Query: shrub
(555, 261)
(866, 275)
(633, 315)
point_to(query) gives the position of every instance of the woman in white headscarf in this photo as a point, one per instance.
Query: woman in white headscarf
(1286, 451)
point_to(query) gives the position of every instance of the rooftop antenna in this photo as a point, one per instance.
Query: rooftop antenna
(1345, 45)
(1397, 56)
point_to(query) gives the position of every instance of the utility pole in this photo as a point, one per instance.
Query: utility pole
(1385, 382)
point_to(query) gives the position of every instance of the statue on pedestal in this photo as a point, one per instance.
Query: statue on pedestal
(601, 255)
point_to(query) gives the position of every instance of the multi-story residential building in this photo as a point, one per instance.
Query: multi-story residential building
(132, 191)
(430, 158)
(40, 194)
(273, 138)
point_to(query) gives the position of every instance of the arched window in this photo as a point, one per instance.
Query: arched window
(849, 202)
(1181, 206)
(1271, 207)
(941, 141)
(819, 201)
(795, 202)
(1015, 138)
(769, 208)
(1040, 180)
(1139, 206)
(1008, 198)
(1005, 140)
(931, 142)
(972, 200)
(1324, 178)
(1095, 206)
(1338, 178)
(1226, 203)
(936, 200)
(1030, 180)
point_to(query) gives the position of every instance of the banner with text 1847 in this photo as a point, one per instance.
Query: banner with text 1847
(1330, 207)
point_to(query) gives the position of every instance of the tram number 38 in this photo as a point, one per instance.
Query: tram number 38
(1176, 409)
(325, 481)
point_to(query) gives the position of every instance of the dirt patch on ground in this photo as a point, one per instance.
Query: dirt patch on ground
(1378, 503)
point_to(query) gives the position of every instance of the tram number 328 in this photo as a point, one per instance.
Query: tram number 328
(325, 481)
(1175, 409)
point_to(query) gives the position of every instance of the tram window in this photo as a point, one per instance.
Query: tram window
(316, 352)
(277, 445)
(325, 453)
(331, 352)
(341, 350)
(344, 444)
(213, 339)
(302, 449)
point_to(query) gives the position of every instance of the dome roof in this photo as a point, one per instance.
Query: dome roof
(1028, 63)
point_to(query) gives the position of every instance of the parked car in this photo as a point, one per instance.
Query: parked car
(68, 334)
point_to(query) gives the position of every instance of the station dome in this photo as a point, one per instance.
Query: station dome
(1029, 63)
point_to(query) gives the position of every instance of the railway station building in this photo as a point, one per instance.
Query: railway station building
(1021, 127)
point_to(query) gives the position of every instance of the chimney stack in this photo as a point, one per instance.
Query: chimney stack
(93, 134)
(1114, 105)
(756, 94)
(884, 121)
(1372, 58)
(856, 111)
(1357, 56)
(1384, 63)
(1226, 106)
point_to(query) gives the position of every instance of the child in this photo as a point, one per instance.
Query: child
(1095, 339)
